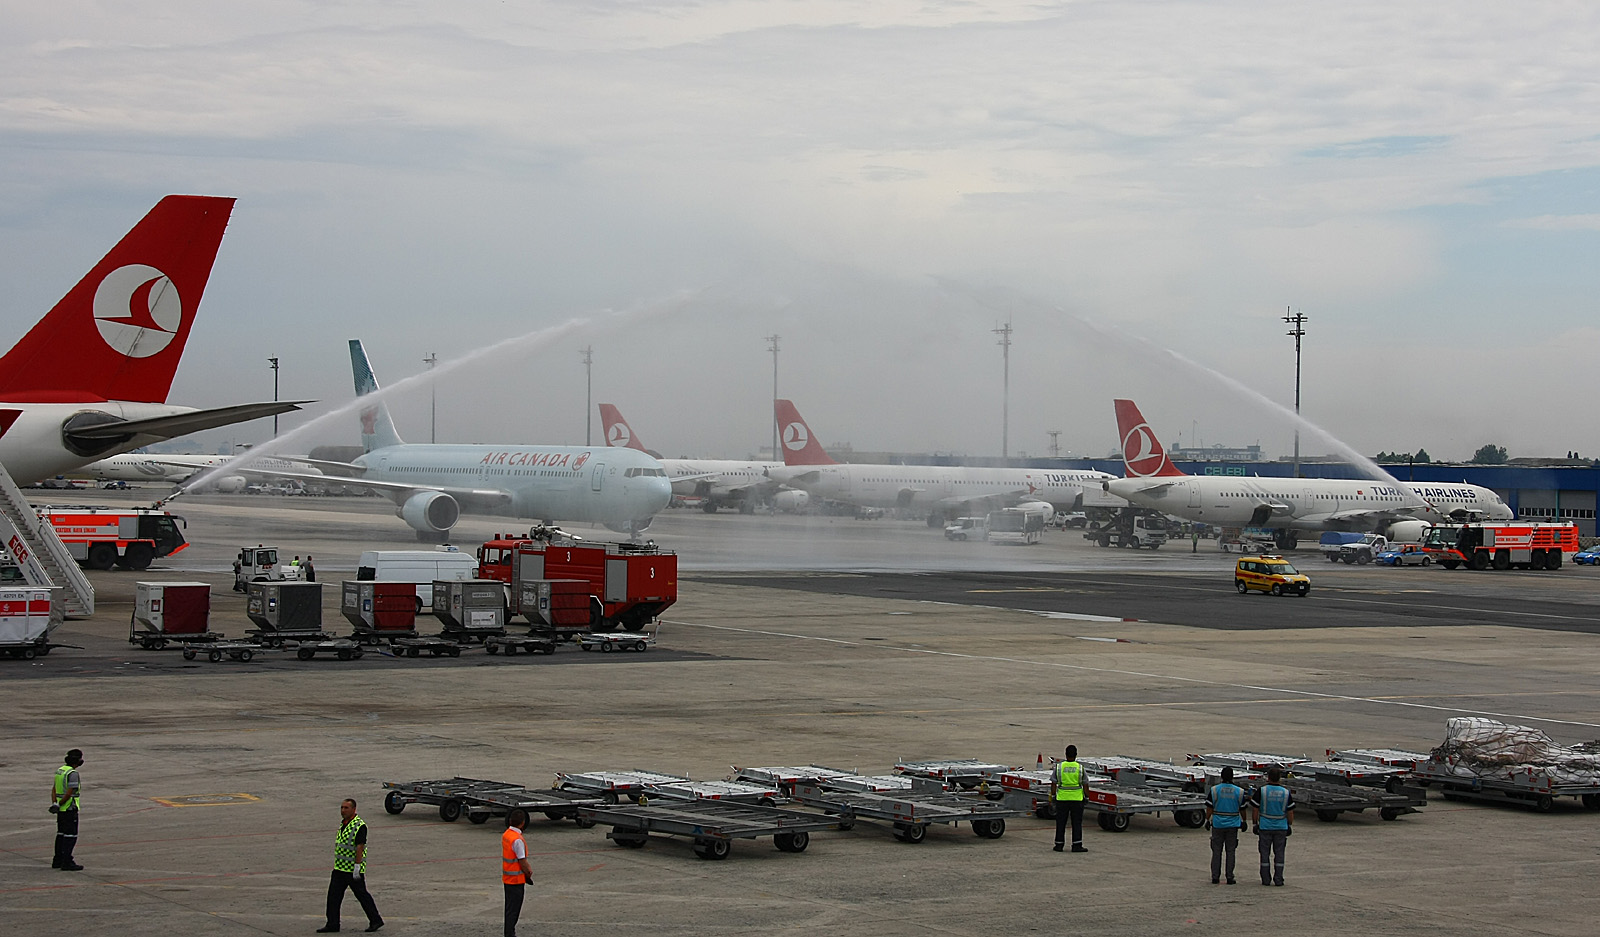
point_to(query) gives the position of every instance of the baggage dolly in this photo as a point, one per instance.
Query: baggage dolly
(1328, 789)
(1527, 788)
(242, 651)
(911, 812)
(738, 792)
(520, 644)
(1391, 757)
(270, 638)
(878, 783)
(785, 777)
(342, 648)
(480, 800)
(1115, 805)
(615, 641)
(966, 773)
(713, 824)
(614, 786)
(432, 645)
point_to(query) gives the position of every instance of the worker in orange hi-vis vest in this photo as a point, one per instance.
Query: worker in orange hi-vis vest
(514, 870)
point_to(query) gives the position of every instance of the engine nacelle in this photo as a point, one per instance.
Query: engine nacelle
(1407, 531)
(1044, 509)
(792, 501)
(632, 527)
(430, 512)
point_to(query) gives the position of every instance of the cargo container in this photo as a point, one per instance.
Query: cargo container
(470, 608)
(25, 622)
(380, 610)
(170, 611)
(285, 610)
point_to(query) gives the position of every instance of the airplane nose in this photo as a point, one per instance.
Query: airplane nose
(657, 494)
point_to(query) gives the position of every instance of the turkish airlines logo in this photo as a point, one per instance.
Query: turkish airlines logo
(1141, 452)
(137, 310)
(578, 462)
(796, 437)
(617, 435)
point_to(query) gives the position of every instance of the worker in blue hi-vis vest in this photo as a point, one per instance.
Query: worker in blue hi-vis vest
(1274, 818)
(1067, 787)
(1225, 817)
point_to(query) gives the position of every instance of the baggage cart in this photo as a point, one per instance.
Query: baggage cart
(1115, 804)
(510, 644)
(342, 648)
(426, 645)
(1392, 757)
(170, 611)
(741, 792)
(285, 611)
(615, 641)
(713, 824)
(479, 800)
(785, 777)
(25, 622)
(614, 786)
(1529, 787)
(379, 611)
(911, 812)
(1030, 790)
(877, 783)
(216, 651)
(966, 773)
(1321, 787)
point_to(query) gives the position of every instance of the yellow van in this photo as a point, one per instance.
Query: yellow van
(1269, 573)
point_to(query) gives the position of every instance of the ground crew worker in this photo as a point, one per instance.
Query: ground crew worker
(1066, 790)
(309, 569)
(1225, 816)
(64, 804)
(1274, 819)
(514, 870)
(350, 869)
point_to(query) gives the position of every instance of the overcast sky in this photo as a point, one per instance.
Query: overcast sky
(880, 184)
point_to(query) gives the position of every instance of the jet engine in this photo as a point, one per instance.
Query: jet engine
(430, 513)
(1407, 531)
(791, 501)
(631, 527)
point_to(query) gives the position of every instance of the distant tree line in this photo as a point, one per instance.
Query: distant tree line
(1420, 457)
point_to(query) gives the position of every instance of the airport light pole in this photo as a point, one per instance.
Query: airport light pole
(1005, 398)
(1298, 320)
(772, 346)
(1055, 442)
(433, 400)
(588, 393)
(273, 362)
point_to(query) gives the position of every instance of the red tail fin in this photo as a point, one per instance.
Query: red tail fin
(119, 333)
(800, 446)
(617, 431)
(1141, 450)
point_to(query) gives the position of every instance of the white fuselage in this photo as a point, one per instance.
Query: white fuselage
(32, 449)
(1305, 503)
(137, 466)
(730, 475)
(552, 483)
(931, 486)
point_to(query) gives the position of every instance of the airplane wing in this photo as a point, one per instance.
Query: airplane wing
(1005, 495)
(703, 476)
(182, 424)
(398, 492)
(347, 469)
(1153, 487)
(1361, 517)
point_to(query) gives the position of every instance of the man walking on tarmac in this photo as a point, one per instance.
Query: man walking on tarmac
(1225, 816)
(1274, 818)
(1066, 790)
(514, 869)
(64, 804)
(350, 869)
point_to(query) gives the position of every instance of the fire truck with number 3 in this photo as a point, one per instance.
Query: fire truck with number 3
(1500, 546)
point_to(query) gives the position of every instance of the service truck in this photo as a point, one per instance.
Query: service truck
(1501, 545)
(630, 583)
(130, 538)
(1350, 547)
(1017, 525)
(1130, 529)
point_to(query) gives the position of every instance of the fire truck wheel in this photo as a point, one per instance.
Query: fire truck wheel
(1552, 559)
(635, 625)
(1449, 564)
(102, 556)
(1502, 559)
(138, 556)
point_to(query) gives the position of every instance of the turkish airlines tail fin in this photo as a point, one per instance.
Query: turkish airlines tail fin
(616, 429)
(377, 429)
(119, 333)
(800, 446)
(1142, 454)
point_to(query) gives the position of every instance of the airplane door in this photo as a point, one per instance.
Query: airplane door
(597, 476)
(1194, 494)
(844, 480)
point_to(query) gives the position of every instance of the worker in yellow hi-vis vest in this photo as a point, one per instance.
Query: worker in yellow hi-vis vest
(1067, 787)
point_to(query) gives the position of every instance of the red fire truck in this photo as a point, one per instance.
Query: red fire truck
(1500, 546)
(100, 538)
(632, 583)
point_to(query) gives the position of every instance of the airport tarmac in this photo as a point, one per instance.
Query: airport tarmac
(211, 790)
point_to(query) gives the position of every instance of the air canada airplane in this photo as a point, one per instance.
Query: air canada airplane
(940, 489)
(91, 378)
(1290, 503)
(720, 482)
(433, 484)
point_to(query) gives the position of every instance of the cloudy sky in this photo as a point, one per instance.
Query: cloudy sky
(880, 184)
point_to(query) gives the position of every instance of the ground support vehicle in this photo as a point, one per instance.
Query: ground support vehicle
(241, 651)
(260, 564)
(1018, 525)
(1352, 548)
(171, 611)
(510, 644)
(1115, 804)
(100, 538)
(1130, 528)
(286, 611)
(421, 567)
(911, 812)
(479, 800)
(430, 645)
(1328, 789)
(965, 773)
(615, 641)
(1404, 554)
(1269, 573)
(615, 786)
(1500, 546)
(966, 528)
(785, 777)
(633, 582)
(25, 622)
(713, 824)
(342, 648)
(1391, 757)
(1529, 788)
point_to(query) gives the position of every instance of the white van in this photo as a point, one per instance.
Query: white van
(419, 566)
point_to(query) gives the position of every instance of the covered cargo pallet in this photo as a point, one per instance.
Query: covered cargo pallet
(470, 608)
(25, 622)
(170, 611)
(379, 610)
(285, 611)
(1491, 760)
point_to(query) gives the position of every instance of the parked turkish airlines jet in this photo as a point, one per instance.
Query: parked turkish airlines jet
(433, 484)
(941, 489)
(91, 378)
(720, 482)
(1291, 503)
(149, 466)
